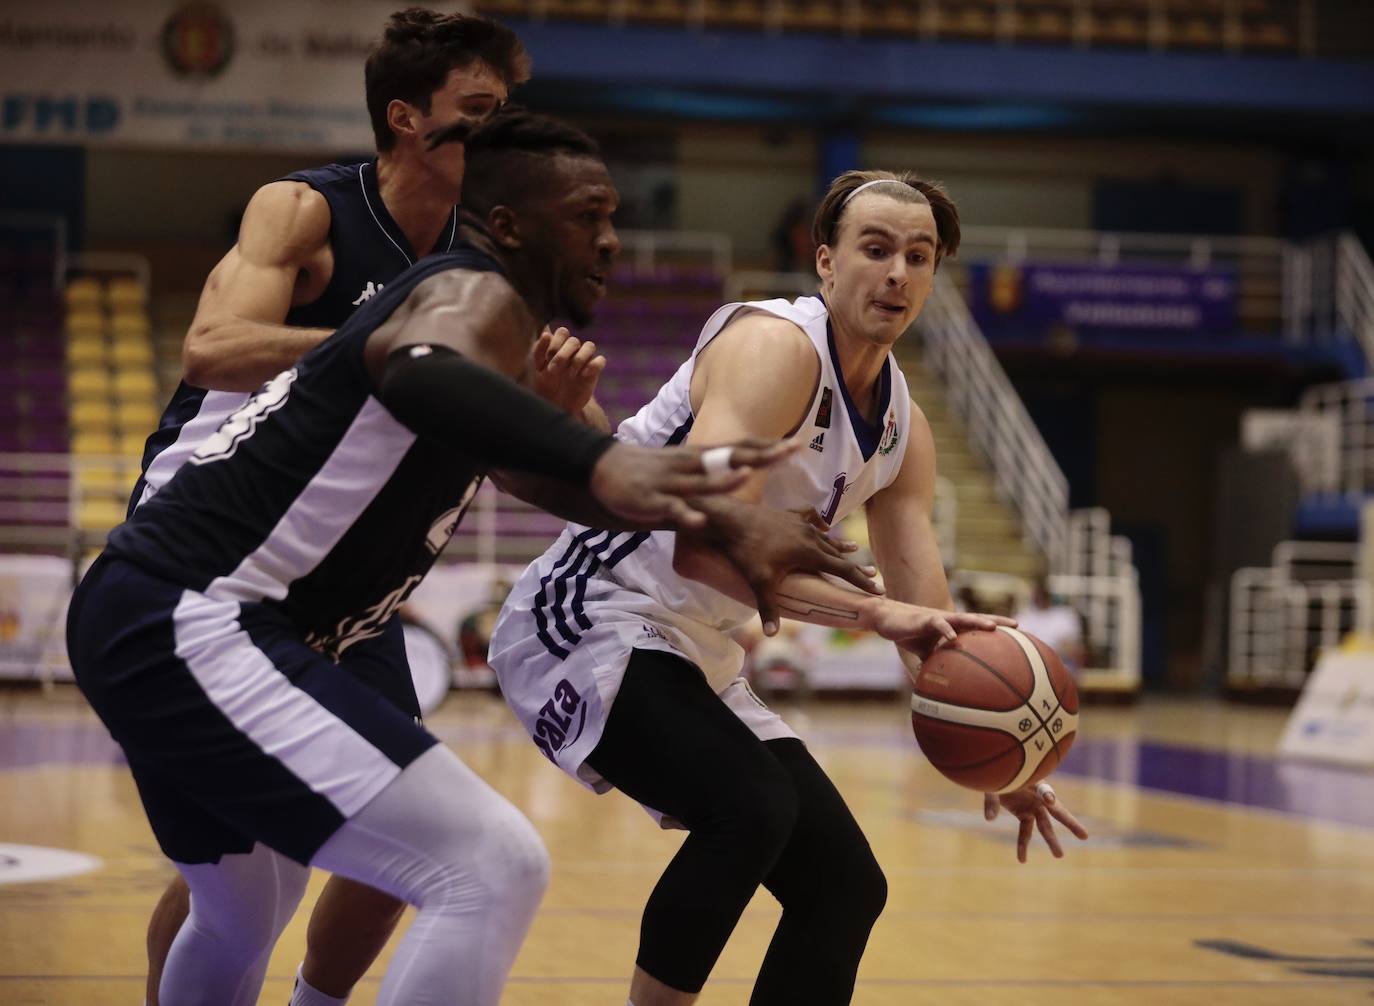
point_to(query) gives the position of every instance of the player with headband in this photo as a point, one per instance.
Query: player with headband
(614, 649)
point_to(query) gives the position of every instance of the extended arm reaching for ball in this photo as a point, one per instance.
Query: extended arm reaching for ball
(732, 399)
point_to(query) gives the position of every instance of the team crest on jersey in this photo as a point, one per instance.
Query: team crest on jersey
(823, 410)
(369, 291)
(891, 434)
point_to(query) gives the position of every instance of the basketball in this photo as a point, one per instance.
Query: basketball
(995, 710)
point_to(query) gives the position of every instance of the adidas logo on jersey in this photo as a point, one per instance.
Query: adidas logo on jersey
(369, 291)
(818, 443)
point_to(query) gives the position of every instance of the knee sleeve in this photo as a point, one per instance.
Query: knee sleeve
(239, 906)
(443, 840)
(439, 836)
(245, 900)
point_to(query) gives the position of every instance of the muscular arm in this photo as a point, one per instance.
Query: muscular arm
(901, 531)
(236, 340)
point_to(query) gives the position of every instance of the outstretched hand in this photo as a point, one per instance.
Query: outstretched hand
(653, 487)
(1036, 807)
(566, 369)
(766, 545)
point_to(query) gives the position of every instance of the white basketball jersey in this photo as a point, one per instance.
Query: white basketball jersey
(846, 462)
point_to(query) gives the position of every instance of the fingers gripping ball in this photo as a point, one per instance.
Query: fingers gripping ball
(995, 710)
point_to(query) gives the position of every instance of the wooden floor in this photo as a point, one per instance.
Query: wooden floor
(1231, 896)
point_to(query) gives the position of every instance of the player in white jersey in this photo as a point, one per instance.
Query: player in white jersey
(614, 649)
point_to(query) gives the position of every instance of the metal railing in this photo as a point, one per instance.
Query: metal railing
(1283, 616)
(1093, 567)
(645, 249)
(1329, 293)
(1336, 287)
(997, 422)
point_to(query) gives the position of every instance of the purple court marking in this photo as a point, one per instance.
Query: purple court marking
(1318, 792)
(29, 745)
(1323, 792)
(1300, 789)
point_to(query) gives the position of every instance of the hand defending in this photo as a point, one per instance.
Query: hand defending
(566, 369)
(766, 545)
(1038, 807)
(652, 487)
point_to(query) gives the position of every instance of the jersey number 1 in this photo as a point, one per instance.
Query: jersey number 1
(833, 506)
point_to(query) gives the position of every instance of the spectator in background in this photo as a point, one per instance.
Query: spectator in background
(1059, 625)
(792, 238)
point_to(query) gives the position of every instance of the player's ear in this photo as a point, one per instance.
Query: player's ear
(401, 117)
(825, 265)
(504, 229)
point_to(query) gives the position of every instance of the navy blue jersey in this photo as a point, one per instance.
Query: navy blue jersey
(369, 251)
(312, 496)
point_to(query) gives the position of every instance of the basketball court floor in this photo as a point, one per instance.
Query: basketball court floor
(1215, 874)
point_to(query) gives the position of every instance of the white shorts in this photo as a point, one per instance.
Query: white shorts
(560, 670)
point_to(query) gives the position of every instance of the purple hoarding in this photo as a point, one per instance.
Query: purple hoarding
(1162, 298)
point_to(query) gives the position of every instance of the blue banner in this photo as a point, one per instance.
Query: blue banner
(1040, 296)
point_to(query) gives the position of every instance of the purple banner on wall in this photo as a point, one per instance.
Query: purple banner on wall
(1162, 298)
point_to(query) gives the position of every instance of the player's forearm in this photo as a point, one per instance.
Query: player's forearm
(595, 416)
(486, 416)
(234, 354)
(562, 499)
(806, 597)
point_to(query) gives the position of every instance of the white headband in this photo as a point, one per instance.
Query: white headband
(876, 181)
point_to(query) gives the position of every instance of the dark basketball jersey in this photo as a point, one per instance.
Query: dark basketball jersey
(312, 496)
(370, 250)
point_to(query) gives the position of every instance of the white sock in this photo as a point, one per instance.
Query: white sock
(305, 994)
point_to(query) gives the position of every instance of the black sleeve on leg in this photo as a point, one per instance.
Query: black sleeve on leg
(487, 416)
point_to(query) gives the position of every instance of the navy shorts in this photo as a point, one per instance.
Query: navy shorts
(235, 730)
(381, 662)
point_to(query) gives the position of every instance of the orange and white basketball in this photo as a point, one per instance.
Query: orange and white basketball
(995, 710)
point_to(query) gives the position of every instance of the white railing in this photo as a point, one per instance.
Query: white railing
(1091, 566)
(1354, 291)
(644, 249)
(1283, 616)
(1329, 288)
(1350, 403)
(1108, 605)
(996, 420)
